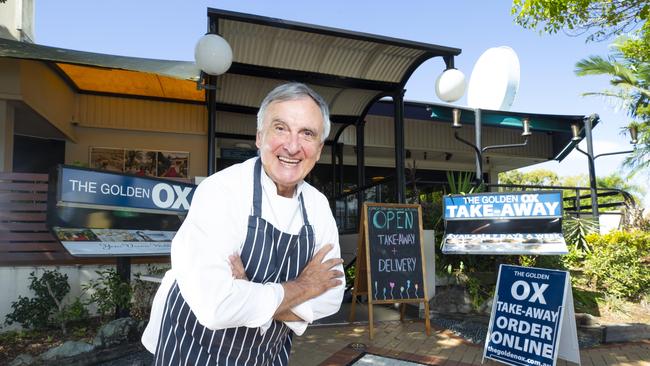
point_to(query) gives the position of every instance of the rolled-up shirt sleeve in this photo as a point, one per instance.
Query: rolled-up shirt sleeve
(199, 256)
(329, 302)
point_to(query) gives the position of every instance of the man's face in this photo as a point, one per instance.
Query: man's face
(290, 142)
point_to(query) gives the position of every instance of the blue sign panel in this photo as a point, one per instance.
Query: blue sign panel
(504, 223)
(526, 316)
(503, 206)
(95, 188)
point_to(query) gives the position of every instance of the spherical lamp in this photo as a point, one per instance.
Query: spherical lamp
(450, 85)
(213, 54)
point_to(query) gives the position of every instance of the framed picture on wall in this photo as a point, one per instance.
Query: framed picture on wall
(107, 159)
(142, 162)
(173, 164)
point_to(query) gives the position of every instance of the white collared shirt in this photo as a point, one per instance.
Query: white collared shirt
(215, 228)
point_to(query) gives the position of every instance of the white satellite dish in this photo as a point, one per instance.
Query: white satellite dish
(495, 79)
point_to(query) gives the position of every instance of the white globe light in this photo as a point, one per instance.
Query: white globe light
(213, 54)
(450, 85)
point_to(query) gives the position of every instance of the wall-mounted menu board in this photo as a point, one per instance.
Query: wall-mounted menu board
(390, 257)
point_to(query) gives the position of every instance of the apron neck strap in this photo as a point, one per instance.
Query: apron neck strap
(257, 188)
(257, 193)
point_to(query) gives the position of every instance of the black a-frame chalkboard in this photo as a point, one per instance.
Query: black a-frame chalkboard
(390, 258)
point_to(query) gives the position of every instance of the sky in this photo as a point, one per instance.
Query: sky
(169, 30)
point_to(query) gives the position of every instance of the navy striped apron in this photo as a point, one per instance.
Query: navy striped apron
(268, 255)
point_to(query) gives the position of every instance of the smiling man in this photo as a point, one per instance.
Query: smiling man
(257, 258)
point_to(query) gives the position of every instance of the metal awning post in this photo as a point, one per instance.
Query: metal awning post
(211, 97)
(339, 166)
(400, 183)
(361, 171)
(479, 157)
(592, 165)
(123, 268)
(333, 153)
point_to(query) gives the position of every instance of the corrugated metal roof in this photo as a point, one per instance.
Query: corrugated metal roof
(349, 69)
(263, 45)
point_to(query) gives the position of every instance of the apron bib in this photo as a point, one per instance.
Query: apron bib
(268, 255)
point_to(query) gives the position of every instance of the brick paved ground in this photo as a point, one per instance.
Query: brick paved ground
(328, 345)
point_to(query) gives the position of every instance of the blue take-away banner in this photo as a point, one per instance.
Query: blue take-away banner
(511, 205)
(504, 223)
(90, 188)
(527, 315)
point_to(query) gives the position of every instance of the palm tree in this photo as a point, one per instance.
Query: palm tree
(630, 79)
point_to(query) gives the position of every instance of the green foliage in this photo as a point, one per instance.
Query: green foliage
(542, 261)
(46, 307)
(629, 78)
(573, 259)
(601, 18)
(615, 180)
(350, 275)
(143, 292)
(30, 313)
(527, 260)
(462, 183)
(545, 177)
(630, 81)
(586, 301)
(74, 312)
(576, 230)
(432, 210)
(108, 292)
(542, 177)
(479, 288)
(36, 312)
(618, 264)
(613, 304)
(638, 48)
(478, 292)
(639, 160)
(628, 63)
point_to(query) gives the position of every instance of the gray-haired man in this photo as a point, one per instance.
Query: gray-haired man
(257, 258)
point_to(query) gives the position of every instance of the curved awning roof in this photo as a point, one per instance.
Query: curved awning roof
(350, 70)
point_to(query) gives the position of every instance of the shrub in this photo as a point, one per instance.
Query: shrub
(108, 292)
(46, 307)
(144, 292)
(37, 311)
(542, 261)
(74, 312)
(618, 263)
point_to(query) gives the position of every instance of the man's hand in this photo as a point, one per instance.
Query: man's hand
(316, 278)
(237, 267)
(319, 276)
